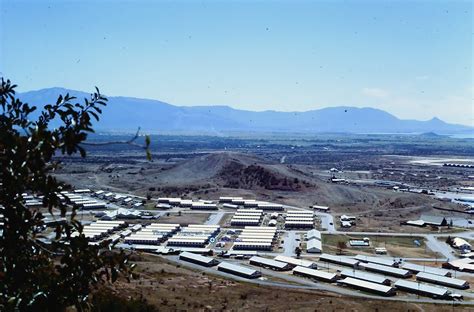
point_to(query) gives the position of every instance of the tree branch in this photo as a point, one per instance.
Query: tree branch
(128, 142)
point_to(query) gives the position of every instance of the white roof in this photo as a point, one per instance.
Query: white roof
(423, 268)
(237, 268)
(448, 281)
(385, 269)
(458, 242)
(297, 212)
(196, 257)
(416, 222)
(367, 285)
(338, 259)
(439, 291)
(378, 260)
(314, 245)
(313, 234)
(315, 273)
(320, 207)
(298, 262)
(268, 262)
(374, 278)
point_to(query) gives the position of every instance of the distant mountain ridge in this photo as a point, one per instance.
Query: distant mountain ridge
(127, 113)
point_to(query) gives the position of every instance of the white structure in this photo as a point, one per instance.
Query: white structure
(256, 238)
(244, 217)
(313, 234)
(314, 246)
(297, 262)
(461, 243)
(299, 219)
(320, 208)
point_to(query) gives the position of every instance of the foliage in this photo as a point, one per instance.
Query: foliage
(298, 252)
(34, 274)
(105, 301)
(341, 245)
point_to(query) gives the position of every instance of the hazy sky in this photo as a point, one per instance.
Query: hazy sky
(411, 58)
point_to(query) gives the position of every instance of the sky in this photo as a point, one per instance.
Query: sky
(413, 59)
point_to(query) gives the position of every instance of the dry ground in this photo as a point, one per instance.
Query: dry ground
(173, 288)
(185, 218)
(397, 246)
(202, 176)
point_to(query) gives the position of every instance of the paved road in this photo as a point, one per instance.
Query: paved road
(215, 218)
(327, 222)
(302, 283)
(439, 246)
(290, 243)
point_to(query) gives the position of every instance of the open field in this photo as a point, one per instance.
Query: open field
(184, 218)
(397, 246)
(292, 170)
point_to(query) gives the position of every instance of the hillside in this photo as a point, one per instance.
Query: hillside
(126, 114)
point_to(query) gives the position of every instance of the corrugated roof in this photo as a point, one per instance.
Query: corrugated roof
(268, 262)
(374, 278)
(315, 273)
(314, 244)
(448, 281)
(423, 268)
(298, 262)
(367, 285)
(378, 260)
(237, 268)
(386, 269)
(338, 259)
(196, 257)
(415, 286)
(313, 234)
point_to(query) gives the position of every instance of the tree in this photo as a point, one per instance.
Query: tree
(298, 251)
(341, 245)
(449, 240)
(36, 274)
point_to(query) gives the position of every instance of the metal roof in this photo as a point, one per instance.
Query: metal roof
(237, 268)
(242, 252)
(370, 286)
(378, 260)
(443, 280)
(385, 269)
(313, 233)
(338, 259)
(315, 273)
(314, 244)
(298, 262)
(416, 286)
(299, 212)
(374, 278)
(196, 257)
(269, 262)
(423, 268)
(433, 219)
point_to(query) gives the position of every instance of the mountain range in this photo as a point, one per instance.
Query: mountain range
(127, 114)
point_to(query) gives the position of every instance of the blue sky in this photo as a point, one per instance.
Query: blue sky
(410, 58)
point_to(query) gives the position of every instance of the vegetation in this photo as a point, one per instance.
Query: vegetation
(34, 274)
(298, 252)
(341, 246)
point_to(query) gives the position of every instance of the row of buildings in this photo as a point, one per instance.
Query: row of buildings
(297, 219)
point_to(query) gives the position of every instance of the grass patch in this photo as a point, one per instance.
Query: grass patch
(397, 246)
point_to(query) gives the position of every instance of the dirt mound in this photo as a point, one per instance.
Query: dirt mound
(203, 169)
(238, 175)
